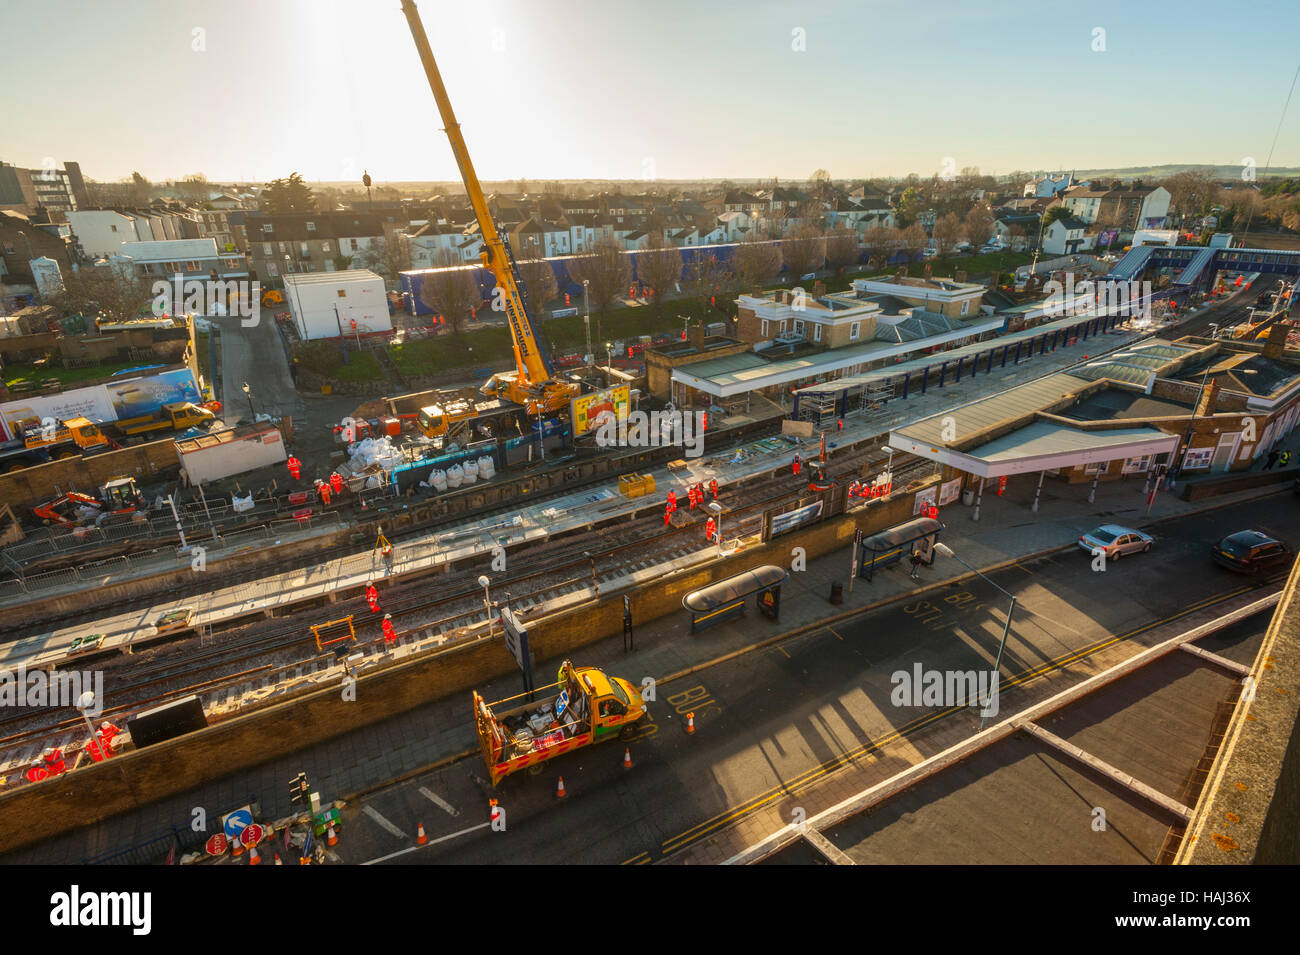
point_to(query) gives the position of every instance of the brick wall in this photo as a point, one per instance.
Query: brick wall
(32, 485)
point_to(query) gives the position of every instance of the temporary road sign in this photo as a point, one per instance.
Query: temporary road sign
(252, 835)
(233, 823)
(562, 703)
(216, 845)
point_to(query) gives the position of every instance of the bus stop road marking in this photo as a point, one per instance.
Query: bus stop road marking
(438, 801)
(374, 814)
(431, 842)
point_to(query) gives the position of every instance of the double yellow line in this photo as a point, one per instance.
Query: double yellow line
(792, 786)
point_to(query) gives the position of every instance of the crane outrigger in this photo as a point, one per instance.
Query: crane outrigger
(533, 383)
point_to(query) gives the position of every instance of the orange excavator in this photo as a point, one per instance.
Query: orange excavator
(118, 496)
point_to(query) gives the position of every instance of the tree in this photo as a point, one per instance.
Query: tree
(660, 267)
(912, 240)
(1052, 214)
(606, 269)
(946, 234)
(281, 196)
(979, 226)
(450, 292)
(880, 242)
(908, 206)
(1191, 192)
(804, 251)
(539, 279)
(140, 189)
(388, 255)
(194, 187)
(706, 276)
(754, 263)
(113, 293)
(841, 249)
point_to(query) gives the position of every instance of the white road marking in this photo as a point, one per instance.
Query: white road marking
(431, 842)
(438, 801)
(374, 814)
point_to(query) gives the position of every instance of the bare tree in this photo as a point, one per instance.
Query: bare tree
(660, 267)
(753, 263)
(946, 234)
(841, 248)
(606, 269)
(706, 277)
(979, 226)
(1192, 191)
(912, 240)
(107, 291)
(880, 242)
(451, 292)
(539, 278)
(389, 255)
(804, 251)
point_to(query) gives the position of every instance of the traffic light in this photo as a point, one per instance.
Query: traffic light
(298, 789)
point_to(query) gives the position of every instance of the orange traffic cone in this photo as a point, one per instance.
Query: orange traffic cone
(304, 861)
(253, 857)
(330, 838)
(493, 810)
(627, 757)
(690, 723)
(559, 789)
(420, 837)
(277, 859)
(238, 848)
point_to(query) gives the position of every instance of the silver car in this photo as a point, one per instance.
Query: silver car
(1115, 541)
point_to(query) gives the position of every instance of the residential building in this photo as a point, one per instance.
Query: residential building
(22, 240)
(1066, 236)
(307, 241)
(1049, 185)
(189, 258)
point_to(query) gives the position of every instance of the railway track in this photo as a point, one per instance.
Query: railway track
(256, 658)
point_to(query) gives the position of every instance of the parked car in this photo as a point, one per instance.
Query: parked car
(930, 253)
(1115, 541)
(1251, 552)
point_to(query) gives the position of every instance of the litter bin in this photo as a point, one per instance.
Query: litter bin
(837, 592)
(968, 496)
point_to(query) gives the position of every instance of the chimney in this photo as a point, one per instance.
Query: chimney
(756, 291)
(959, 275)
(1275, 344)
(926, 272)
(819, 288)
(1209, 398)
(697, 336)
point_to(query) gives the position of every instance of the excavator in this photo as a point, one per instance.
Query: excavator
(533, 383)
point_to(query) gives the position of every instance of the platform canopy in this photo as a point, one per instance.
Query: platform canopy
(1042, 446)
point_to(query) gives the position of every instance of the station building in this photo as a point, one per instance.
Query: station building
(1196, 406)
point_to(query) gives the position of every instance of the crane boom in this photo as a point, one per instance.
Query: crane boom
(533, 383)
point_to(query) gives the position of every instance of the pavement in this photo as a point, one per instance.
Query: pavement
(1007, 534)
(255, 355)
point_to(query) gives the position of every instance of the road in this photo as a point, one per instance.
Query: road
(783, 716)
(255, 355)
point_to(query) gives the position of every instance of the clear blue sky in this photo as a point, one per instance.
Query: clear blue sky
(621, 89)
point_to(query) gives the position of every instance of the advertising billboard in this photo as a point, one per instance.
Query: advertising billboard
(588, 409)
(108, 402)
(142, 396)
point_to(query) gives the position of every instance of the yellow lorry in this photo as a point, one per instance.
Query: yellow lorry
(176, 416)
(586, 706)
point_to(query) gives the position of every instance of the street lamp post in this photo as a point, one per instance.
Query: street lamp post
(609, 361)
(248, 394)
(1006, 629)
(485, 583)
(586, 320)
(716, 509)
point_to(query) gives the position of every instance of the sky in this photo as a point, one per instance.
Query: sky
(639, 89)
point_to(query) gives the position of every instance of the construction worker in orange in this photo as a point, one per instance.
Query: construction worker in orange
(54, 763)
(36, 772)
(672, 501)
(295, 467)
(668, 515)
(336, 482)
(710, 529)
(323, 490)
(390, 635)
(372, 596)
(713, 488)
(109, 731)
(795, 465)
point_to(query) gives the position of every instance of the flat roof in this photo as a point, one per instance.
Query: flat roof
(330, 278)
(1015, 403)
(736, 374)
(1112, 403)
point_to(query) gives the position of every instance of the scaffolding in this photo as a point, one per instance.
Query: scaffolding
(819, 408)
(875, 397)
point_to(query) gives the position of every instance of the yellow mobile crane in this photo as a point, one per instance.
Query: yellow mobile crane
(533, 384)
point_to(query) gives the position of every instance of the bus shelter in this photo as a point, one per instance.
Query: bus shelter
(895, 543)
(725, 599)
